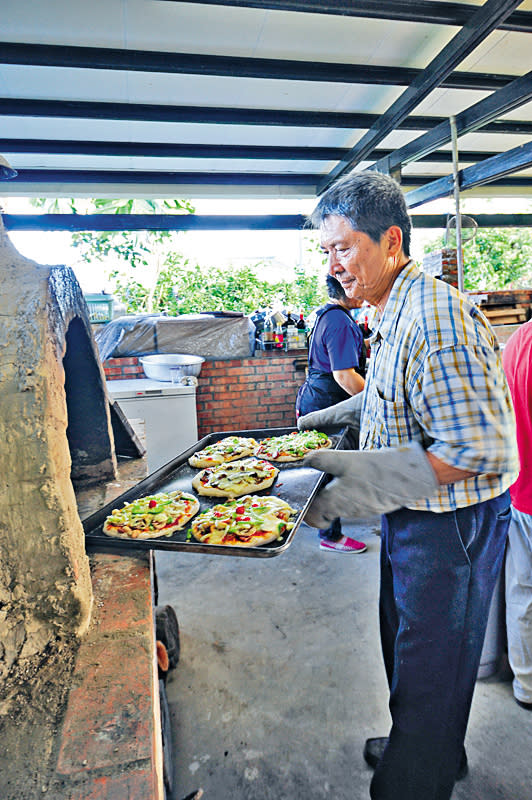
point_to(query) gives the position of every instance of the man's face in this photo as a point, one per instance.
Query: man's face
(364, 268)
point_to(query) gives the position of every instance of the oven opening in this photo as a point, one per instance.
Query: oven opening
(88, 433)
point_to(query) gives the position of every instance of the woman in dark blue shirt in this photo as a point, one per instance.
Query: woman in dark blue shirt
(336, 362)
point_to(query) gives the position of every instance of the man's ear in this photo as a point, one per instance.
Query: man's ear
(394, 236)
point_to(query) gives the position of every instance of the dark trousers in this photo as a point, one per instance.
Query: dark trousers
(438, 572)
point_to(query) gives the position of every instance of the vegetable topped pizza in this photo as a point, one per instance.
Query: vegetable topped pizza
(151, 516)
(292, 446)
(235, 478)
(227, 449)
(248, 521)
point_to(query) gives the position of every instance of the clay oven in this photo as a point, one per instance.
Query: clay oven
(55, 433)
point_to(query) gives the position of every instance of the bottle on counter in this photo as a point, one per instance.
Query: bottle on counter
(290, 332)
(301, 328)
(279, 337)
(268, 334)
(257, 319)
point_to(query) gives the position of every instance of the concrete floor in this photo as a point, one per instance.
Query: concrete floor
(280, 680)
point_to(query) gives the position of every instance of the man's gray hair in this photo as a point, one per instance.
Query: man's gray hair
(370, 201)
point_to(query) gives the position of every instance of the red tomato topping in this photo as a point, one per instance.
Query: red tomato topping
(240, 509)
(152, 503)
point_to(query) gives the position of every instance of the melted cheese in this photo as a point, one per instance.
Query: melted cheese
(236, 521)
(295, 444)
(226, 449)
(238, 473)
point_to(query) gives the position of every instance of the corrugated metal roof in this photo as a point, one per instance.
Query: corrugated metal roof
(164, 98)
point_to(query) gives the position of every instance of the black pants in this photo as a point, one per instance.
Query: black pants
(438, 572)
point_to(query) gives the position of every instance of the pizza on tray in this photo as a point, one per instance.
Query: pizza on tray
(227, 449)
(152, 516)
(235, 478)
(248, 521)
(292, 446)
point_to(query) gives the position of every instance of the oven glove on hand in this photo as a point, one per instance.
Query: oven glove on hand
(369, 482)
(346, 413)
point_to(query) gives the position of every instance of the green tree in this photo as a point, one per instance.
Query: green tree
(128, 249)
(184, 288)
(497, 258)
(174, 285)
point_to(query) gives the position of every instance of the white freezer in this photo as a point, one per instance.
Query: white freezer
(168, 411)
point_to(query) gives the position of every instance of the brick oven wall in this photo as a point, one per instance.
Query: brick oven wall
(241, 394)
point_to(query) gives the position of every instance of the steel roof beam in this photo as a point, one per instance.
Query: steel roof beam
(146, 112)
(165, 178)
(442, 13)
(210, 178)
(178, 150)
(216, 222)
(488, 171)
(485, 20)
(49, 55)
(476, 116)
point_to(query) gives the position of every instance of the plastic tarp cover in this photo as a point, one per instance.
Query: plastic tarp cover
(214, 337)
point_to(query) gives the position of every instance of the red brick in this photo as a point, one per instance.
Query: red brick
(129, 361)
(108, 720)
(129, 608)
(134, 785)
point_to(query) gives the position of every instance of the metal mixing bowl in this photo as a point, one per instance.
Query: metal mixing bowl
(158, 367)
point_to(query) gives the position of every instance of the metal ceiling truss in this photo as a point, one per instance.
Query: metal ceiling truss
(486, 19)
(477, 21)
(228, 151)
(218, 222)
(441, 13)
(48, 55)
(487, 171)
(307, 181)
(476, 116)
(147, 112)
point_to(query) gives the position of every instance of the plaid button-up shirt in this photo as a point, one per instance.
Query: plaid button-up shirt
(435, 376)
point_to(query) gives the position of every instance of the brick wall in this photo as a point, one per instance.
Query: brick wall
(121, 368)
(110, 741)
(241, 394)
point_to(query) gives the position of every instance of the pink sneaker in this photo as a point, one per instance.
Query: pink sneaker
(343, 545)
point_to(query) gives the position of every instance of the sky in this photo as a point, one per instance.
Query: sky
(280, 250)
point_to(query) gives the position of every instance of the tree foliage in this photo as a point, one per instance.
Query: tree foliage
(149, 274)
(497, 258)
(183, 288)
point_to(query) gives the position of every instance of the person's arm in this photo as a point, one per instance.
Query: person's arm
(445, 473)
(471, 422)
(349, 380)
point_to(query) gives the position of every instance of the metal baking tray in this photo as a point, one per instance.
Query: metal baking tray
(296, 484)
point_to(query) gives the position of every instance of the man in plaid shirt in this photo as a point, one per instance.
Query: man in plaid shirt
(437, 455)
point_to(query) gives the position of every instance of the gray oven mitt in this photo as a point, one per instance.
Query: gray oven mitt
(369, 482)
(346, 413)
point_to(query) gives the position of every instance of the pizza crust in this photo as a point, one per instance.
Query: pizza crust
(217, 454)
(288, 457)
(209, 529)
(139, 533)
(213, 491)
(255, 541)
(110, 531)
